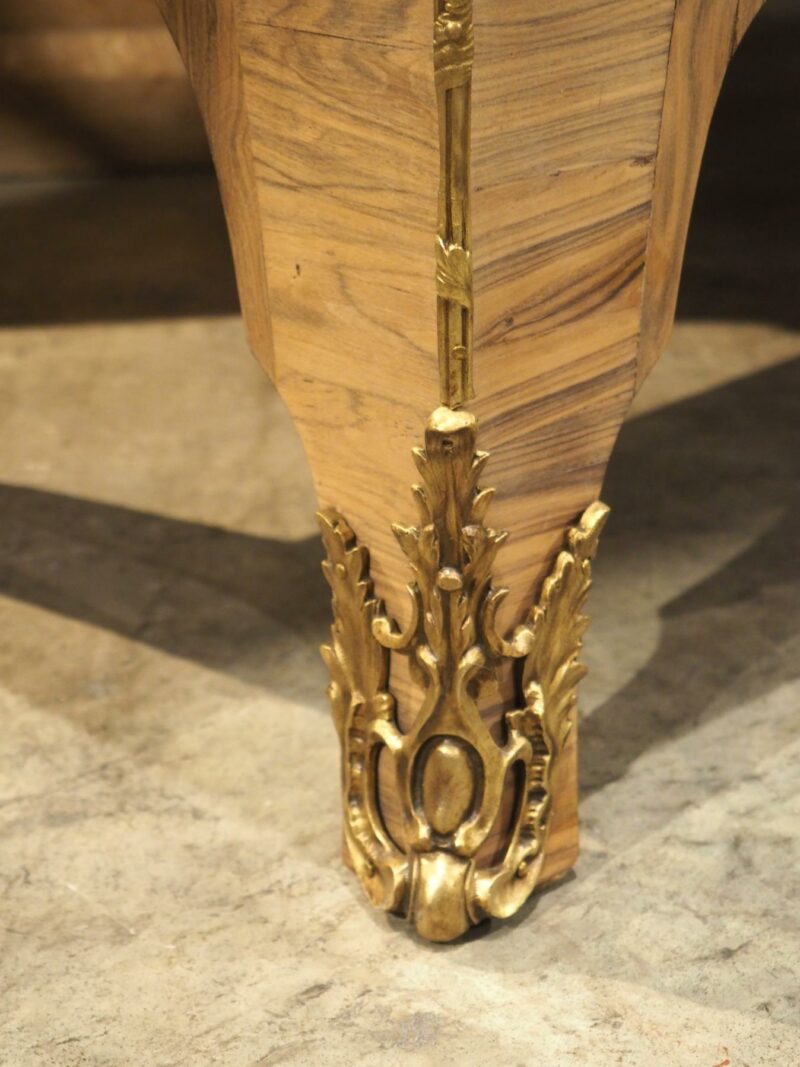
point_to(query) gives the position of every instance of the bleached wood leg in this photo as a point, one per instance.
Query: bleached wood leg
(458, 231)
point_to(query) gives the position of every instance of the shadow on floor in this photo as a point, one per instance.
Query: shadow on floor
(708, 466)
(233, 602)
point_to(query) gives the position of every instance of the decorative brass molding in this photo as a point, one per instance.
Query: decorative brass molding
(452, 776)
(453, 49)
(451, 772)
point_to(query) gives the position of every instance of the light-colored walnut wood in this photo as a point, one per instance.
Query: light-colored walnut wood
(209, 42)
(587, 125)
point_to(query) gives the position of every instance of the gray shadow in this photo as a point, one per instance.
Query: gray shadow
(708, 464)
(244, 605)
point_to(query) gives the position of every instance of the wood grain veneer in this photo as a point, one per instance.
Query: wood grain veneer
(588, 121)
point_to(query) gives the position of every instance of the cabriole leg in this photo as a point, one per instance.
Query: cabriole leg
(457, 235)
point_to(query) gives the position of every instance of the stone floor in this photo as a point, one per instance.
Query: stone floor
(170, 887)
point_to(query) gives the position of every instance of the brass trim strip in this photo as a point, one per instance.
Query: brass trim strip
(453, 51)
